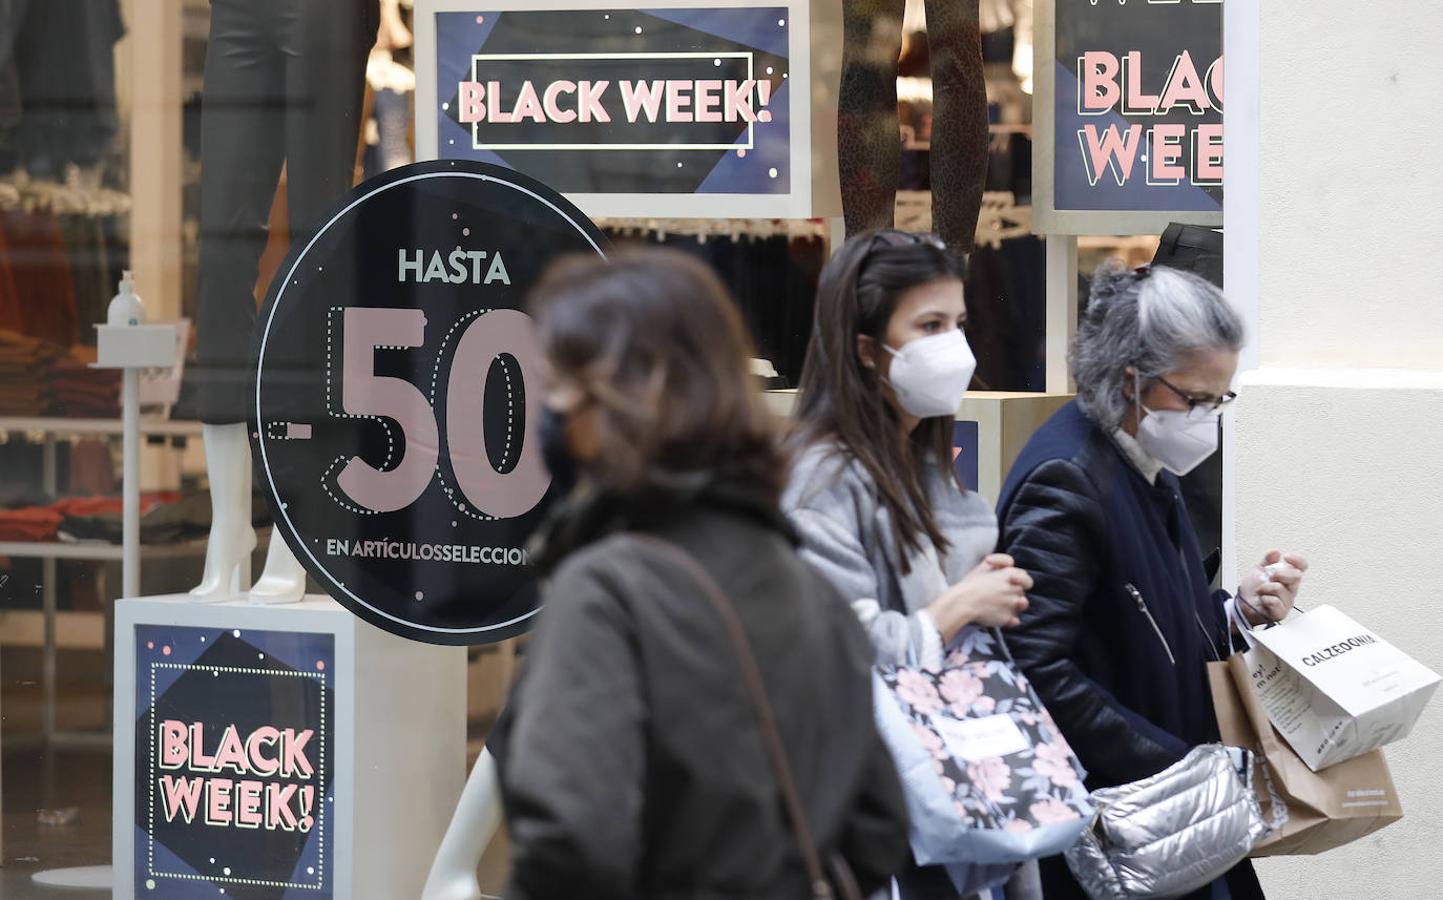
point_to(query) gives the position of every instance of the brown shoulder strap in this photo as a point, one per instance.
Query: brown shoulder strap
(771, 736)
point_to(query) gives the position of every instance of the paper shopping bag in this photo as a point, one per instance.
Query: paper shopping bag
(1324, 809)
(1333, 688)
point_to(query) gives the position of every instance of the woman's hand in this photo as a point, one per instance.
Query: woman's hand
(1271, 589)
(992, 595)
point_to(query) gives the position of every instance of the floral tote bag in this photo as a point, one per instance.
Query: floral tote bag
(987, 775)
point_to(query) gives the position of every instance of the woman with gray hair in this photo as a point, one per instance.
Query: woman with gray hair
(1121, 620)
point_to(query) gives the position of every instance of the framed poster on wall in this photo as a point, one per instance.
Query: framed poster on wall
(1128, 114)
(667, 108)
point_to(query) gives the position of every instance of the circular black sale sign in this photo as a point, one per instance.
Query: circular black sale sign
(397, 400)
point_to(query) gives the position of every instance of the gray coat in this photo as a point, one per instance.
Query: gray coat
(847, 536)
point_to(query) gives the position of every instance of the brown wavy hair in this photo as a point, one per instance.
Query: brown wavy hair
(658, 345)
(840, 401)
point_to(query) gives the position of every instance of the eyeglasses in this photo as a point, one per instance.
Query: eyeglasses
(1208, 404)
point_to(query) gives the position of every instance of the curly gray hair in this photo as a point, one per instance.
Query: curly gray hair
(1147, 319)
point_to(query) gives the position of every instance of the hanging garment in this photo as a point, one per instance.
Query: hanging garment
(92, 467)
(65, 64)
(283, 85)
(40, 271)
(868, 142)
(10, 319)
(774, 281)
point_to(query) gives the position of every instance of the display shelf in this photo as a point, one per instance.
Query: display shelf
(96, 551)
(60, 425)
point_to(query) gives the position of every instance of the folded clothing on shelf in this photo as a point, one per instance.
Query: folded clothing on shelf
(34, 524)
(81, 391)
(25, 364)
(178, 518)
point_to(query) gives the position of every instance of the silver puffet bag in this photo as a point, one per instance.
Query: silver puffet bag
(1173, 833)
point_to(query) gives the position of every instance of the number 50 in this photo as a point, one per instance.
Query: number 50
(366, 394)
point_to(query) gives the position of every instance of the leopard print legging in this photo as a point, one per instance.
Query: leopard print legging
(869, 146)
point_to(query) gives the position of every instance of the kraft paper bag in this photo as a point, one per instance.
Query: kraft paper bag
(1325, 809)
(1333, 688)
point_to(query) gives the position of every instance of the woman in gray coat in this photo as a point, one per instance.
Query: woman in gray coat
(882, 512)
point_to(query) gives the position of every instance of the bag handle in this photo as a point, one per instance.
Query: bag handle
(766, 720)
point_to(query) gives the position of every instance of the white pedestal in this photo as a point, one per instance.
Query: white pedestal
(383, 764)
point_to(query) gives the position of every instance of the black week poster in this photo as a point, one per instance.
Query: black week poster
(234, 755)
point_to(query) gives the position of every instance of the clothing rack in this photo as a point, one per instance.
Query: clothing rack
(1001, 218)
(80, 194)
(706, 229)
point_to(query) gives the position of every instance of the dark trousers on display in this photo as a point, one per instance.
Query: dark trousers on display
(869, 146)
(283, 86)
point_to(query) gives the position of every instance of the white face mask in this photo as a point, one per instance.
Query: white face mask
(1177, 439)
(931, 374)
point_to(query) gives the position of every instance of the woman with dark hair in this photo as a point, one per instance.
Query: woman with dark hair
(1123, 620)
(882, 512)
(635, 759)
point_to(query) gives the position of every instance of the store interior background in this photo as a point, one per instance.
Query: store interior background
(1362, 295)
(143, 195)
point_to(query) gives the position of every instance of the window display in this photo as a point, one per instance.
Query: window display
(385, 458)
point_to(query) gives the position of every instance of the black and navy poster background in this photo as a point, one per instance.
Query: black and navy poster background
(965, 452)
(620, 156)
(455, 246)
(1160, 31)
(212, 824)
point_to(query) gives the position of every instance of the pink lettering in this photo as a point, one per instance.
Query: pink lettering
(493, 102)
(180, 795)
(294, 761)
(528, 105)
(590, 101)
(552, 98)
(260, 765)
(677, 100)
(198, 759)
(738, 101)
(217, 802)
(1184, 87)
(641, 97)
(1138, 102)
(1165, 153)
(248, 804)
(1097, 73)
(278, 807)
(1112, 149)
(1208, 154)
(172, 744)
(232, 752)
(707, 100)
(1215, 82)
(470, 97)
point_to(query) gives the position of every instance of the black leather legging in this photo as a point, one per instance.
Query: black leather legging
(869, 146)
(283, 85)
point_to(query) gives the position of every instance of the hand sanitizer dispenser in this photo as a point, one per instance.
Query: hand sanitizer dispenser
(125, 307)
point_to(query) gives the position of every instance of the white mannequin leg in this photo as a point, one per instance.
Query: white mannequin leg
(228, 551)
(284, 579)
(478, 815)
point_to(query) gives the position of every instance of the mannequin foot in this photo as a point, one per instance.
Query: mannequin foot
(284, 578)
(224, 556)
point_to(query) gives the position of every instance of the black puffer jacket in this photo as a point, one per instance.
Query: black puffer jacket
(630, 758)
(1122, 622)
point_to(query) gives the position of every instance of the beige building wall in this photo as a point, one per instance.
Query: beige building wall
(1335, 249)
